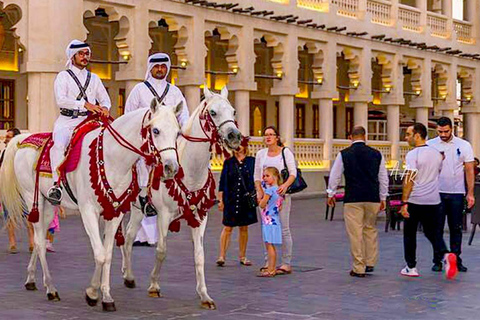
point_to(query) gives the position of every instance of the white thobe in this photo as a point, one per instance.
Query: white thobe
(66, 92)
(141, 97)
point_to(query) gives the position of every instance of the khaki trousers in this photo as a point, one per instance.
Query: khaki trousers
(360, 222)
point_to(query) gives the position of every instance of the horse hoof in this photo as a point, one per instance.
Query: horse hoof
(155, 294)
(53, 296)
(129, 283)
(91, 302)
(31, 286)
(109, 306)
(209, 305)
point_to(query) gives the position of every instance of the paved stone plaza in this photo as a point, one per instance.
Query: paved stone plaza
(320, 287)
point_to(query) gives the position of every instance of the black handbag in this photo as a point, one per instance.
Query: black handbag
(249, 196)
(299, 184)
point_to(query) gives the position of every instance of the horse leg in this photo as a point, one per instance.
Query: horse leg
(197, 236)
(90, 222)
(40, 231)
(134, 224)
(163, 222)
(32, 268)
(110, 229)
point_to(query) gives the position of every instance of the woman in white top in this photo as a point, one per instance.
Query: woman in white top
(272, 157)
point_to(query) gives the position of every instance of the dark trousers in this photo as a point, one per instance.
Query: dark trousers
(452, 210)
(430, 218)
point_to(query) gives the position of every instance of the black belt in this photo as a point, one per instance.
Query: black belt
(73, 113)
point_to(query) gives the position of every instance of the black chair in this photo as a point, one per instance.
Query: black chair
(339, 197)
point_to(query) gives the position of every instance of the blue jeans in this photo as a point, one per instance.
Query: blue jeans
(452, 210)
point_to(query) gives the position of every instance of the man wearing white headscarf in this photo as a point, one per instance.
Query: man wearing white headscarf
(155, 86)
(77, 91)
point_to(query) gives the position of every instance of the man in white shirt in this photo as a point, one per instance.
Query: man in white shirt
(421, 202)
(154, 86)
(458, 163)
(366, 188)
(77, 92)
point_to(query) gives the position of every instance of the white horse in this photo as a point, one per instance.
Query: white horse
(17, 185)
(194, 155)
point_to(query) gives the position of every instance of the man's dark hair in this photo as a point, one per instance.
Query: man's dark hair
(420, 129)
(444, 121)
(15, 131)
(358, 131)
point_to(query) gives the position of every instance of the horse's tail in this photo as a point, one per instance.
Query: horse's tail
(10, 196)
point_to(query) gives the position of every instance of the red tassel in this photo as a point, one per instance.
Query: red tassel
(120, 240)
(34, 215)
(174, 226)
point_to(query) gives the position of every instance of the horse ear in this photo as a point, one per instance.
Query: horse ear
(206, 92)
(178, 109)
(154, 105)
(224, 92)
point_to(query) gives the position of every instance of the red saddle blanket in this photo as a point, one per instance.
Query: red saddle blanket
(44, 142)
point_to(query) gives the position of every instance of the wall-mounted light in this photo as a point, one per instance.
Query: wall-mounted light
(279, 74)
(183, 63)
(320, 80)
(20, 49)
(125, 55)
(415, 93)
(235, 69)
(466, 100)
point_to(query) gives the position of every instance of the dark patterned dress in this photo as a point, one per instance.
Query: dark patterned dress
(236, 212)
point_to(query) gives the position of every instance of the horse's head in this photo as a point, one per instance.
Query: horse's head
(164, 130)
(223, 116)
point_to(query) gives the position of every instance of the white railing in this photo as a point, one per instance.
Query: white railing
(347, 8)
(464, 31)
(385, 148)
(404, 149)
(380, 11)
(308, 153)
(410, 18)
(437, 24)
(339, 145)
(318, 5)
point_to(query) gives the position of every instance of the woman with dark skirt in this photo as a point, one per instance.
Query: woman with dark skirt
(236, 180)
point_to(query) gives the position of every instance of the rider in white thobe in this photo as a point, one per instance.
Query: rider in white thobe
(74, 105)
(141, 97)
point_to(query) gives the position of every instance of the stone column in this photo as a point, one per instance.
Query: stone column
(326, 128)
(393, 130)
(192, 95)
(422, 115)
(422, 5)
(472, 131)
(287, 115)
(360, 115)
(242, 106)
(449, 114)
(129, 85)
(42, 107)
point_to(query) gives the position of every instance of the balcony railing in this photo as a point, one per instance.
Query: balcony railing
(348, 8)
(410, 18)
(318, 5)
(464, 31)
(438, 25)
(380, 11)
(309, 152)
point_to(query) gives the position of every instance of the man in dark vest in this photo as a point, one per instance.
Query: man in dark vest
(366, 188)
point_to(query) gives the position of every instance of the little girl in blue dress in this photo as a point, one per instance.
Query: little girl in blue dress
(271, 205)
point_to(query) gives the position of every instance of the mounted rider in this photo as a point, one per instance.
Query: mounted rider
(154, 86)
(77, 93)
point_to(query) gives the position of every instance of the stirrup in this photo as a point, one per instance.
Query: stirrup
(55, 195)
(147, 208)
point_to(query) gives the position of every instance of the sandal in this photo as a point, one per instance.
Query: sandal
(263, 268)
(245, 262)
(281, 271)
(220, 262)
(13, 249)
(266, 274)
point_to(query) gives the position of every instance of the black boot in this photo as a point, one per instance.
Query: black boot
(55, 195)
(147, 208)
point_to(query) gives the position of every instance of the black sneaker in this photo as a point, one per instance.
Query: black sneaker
(147, 208)
(358, 275)
(461, 268)
(437, 267)
(55, 195)
(369, 269)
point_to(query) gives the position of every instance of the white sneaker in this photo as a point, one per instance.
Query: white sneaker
(451, 269)
(410, 272)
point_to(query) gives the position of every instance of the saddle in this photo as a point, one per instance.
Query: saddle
(44, 142)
